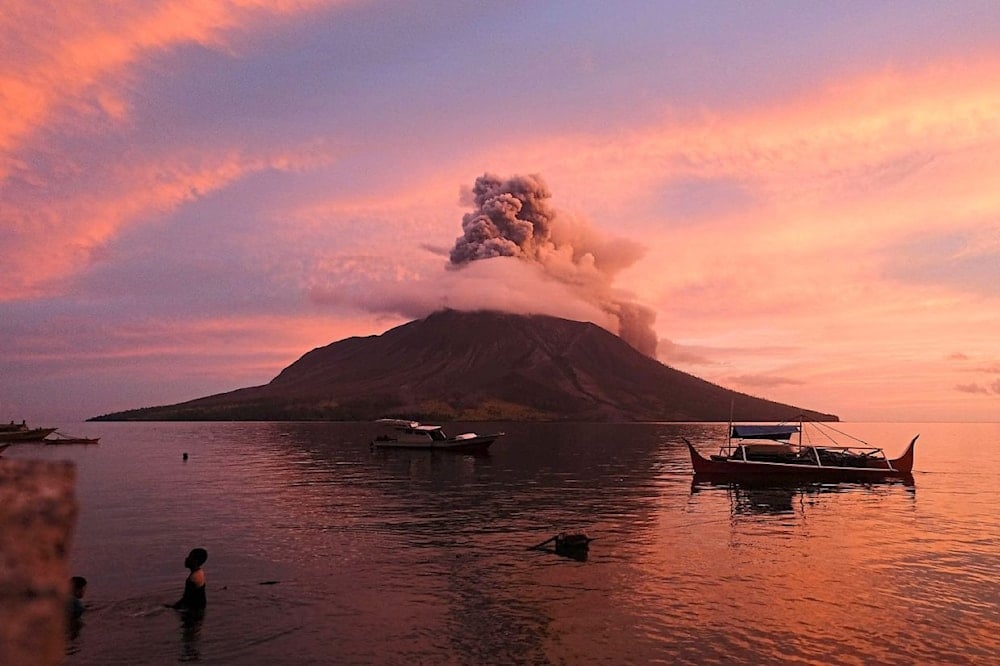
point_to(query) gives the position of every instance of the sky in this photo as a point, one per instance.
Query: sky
(799, 199)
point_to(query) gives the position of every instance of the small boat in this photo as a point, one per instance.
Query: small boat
(414, 435)
(60, 438)
(766, 453)
(20, 432)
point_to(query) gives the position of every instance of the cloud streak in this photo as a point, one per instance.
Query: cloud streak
(78, 70)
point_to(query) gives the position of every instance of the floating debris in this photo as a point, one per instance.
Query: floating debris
(575, 546)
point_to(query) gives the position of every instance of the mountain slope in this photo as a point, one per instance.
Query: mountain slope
(480, 366)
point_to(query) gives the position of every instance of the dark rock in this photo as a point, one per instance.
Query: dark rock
(37, 512)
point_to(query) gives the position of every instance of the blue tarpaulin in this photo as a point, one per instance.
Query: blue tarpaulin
(764, 431)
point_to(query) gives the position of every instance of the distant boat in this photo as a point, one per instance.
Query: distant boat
(766, 453)
(405, 434)
(20, 432)
(66, 439)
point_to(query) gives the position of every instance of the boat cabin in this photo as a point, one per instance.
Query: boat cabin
(412, 431)
(772, 443)
(422, 432)
(760, 442)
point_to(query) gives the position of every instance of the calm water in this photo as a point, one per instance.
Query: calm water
(322, 551)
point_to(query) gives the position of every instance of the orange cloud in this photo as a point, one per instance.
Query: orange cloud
(55, 239)
(73, 58)
(854, 138)
(222, 343)
(71, 66)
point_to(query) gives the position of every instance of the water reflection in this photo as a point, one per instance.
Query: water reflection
(760, 498)
(190, 632)
(73, 628)
(406, 556)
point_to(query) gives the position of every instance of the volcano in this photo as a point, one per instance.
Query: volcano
(474, 366)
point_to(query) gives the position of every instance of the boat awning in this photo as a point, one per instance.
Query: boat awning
(774, 432)
(398, 423)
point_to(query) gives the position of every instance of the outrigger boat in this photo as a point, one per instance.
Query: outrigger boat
(20, 432)
(60, 438)
(414, 435)
(765, 453)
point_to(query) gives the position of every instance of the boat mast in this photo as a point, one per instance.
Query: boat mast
(729, 431)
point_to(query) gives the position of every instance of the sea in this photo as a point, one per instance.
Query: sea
(322, 550)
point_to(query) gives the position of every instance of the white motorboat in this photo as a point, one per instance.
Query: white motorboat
(403, 434)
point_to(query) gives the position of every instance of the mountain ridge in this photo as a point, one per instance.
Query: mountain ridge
(482, 365)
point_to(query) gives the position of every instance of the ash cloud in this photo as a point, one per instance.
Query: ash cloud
(513, 218)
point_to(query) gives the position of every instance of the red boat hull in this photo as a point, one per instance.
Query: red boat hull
(876, 469)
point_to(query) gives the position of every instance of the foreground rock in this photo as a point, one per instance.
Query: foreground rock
(37, 512)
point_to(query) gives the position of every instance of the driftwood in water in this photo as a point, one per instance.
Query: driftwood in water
(567, 545)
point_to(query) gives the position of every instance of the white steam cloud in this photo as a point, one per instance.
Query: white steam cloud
(513, 218)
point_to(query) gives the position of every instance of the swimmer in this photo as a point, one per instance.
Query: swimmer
(78, 587)
(194, 585)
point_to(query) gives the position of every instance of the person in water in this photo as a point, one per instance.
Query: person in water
(78, 587)
(194, 585)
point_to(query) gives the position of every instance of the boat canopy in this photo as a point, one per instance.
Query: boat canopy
(398, 423)
(774, 432)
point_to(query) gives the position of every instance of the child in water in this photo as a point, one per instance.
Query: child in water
(194, 585)
(78, 586)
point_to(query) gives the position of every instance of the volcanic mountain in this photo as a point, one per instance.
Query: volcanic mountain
(468, 366)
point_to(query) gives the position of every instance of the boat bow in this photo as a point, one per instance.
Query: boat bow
(699, 463)
(904, 463)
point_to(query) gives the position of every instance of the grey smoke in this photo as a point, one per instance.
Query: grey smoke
(513, 218)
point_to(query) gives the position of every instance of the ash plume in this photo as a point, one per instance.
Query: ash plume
(513, 218)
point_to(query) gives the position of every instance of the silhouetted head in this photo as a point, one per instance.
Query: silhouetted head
(78, 585)
(196, 558)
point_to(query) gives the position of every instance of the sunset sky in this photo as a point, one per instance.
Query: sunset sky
(807, 195)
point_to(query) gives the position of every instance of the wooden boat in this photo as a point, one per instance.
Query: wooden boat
(766, 453)
(66, 439)
(20, 432)
(405, 434)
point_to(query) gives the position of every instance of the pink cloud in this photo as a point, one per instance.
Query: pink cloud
(79, 67)
(51, 238)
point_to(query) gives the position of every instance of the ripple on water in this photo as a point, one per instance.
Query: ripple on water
(394, 557)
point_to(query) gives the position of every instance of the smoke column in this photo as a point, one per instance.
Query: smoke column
(513, 218)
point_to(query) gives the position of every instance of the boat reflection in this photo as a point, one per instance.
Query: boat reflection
(756, 498)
